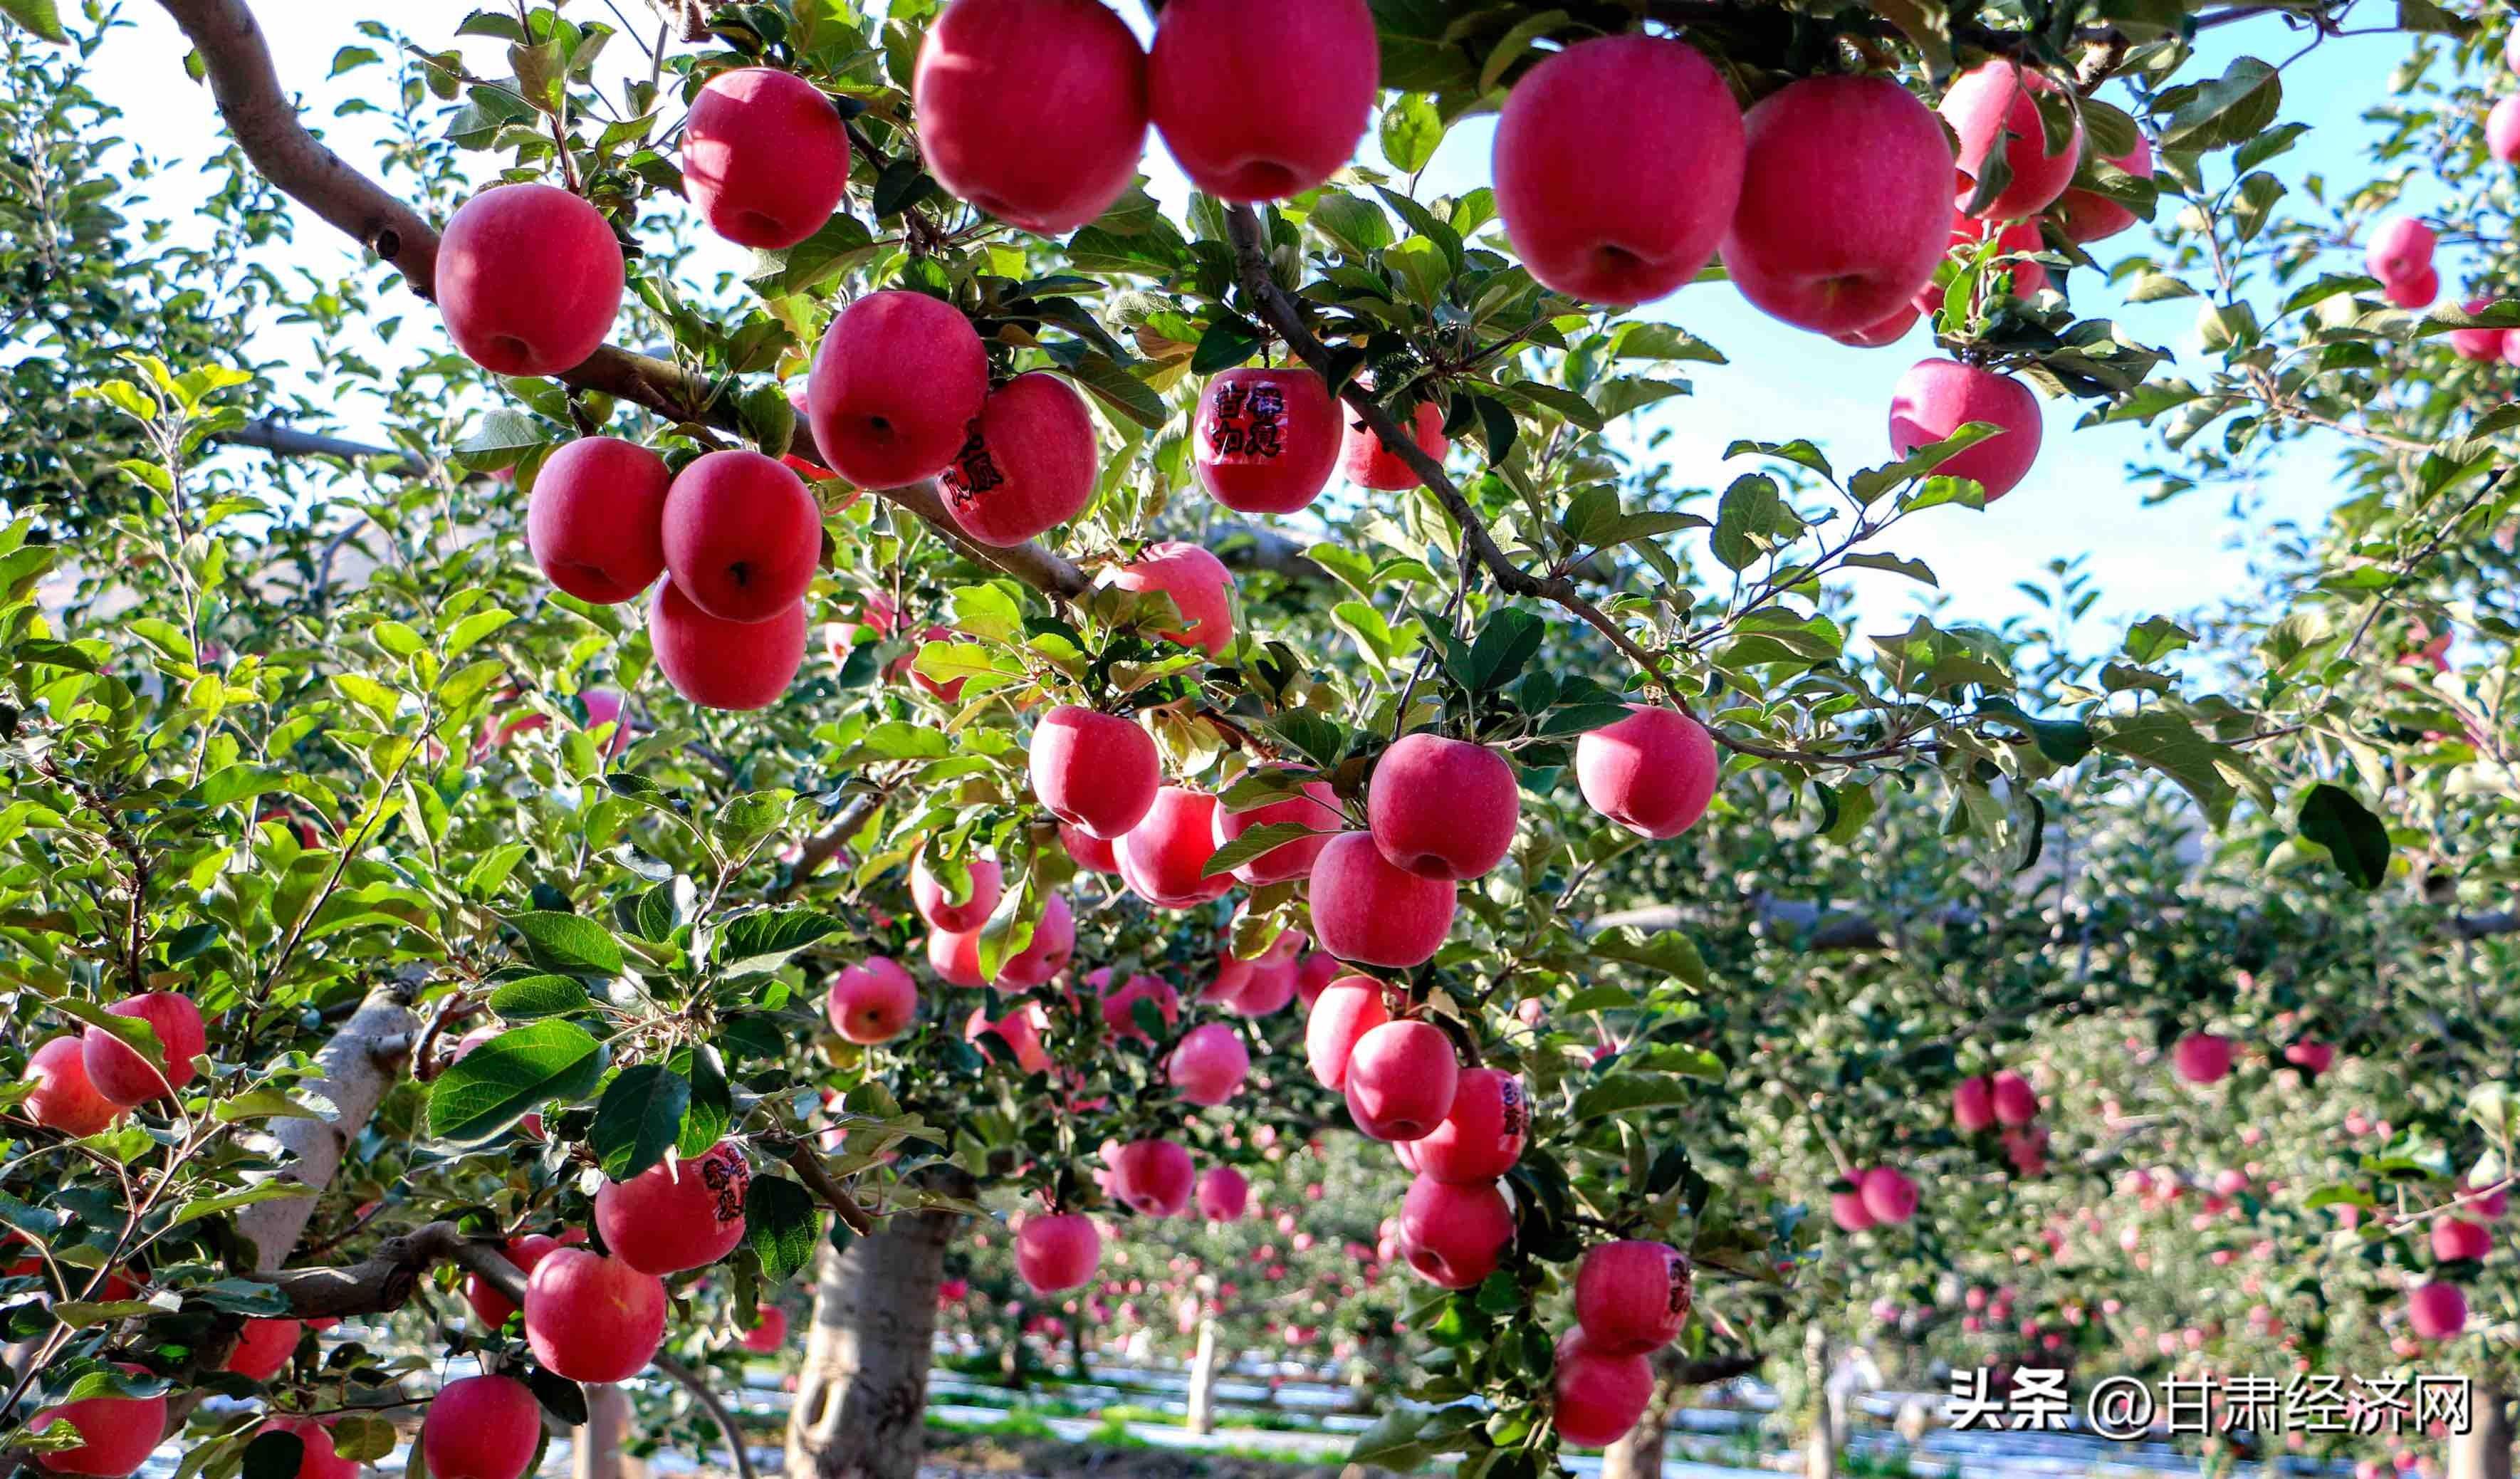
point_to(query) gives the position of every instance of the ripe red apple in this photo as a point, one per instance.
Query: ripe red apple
(1481, 1136)
(1369, 463)
(1054, 1253)
(872, 1001)
(1222, 1194)
(264, 1346)
(1845, 202)
(1937, 397)
(1314, 974)
(63, 1099)
(1618, 162)
(1600, 1394)
(592, 1318)
(2456, 1238)
(955, 956)
(2503, 130)
(895, 388)
(765, 157)
(1096, 770)
(1053, 942)
(1271, 987)
(768, 1333)
(742, 535)
(1119, 1004)
(1453, 1236)
(1889, 1196)
(1316, 806)
(1367, 911)
(736, 665)
(936, 902)
(528, 279)
(1402, 1078)
(1232, 974)
(1161, 856)
(1153, 1177)
(1846, 1208)
(1029, 461)
(1889, 331)
(1443, 808)
(121, 1432)
(2001, 96)
(1259, 103)
(2484, 345)
(1632, 1296)
(316, 1457)
(1973, 1106)
(481, 1427)
(1034, 110)
(2436, 1311)
(2416, 292)
(490, 1306)
(1653, 772)
(1209, 1066)
(1089, 852)
(2400, 248)
(1019, 1031)
(2201, 1057)
(2086, 216)
(596, 521)
(1266, 439)
(2016, 1103)
(2310, 1057)
(121, 1074)
(1198, 583)
(1346, 1010)
(676, 1216)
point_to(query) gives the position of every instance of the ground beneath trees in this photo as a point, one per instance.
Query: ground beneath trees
(974, 1457)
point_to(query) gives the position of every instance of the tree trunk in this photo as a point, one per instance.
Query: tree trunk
(1820, 1451)
(1076, 1348)
(598, 1453)
(1638, 1456)
(2483, 1450)
(1203, 1380)
(862, 1397)
(361, 1064)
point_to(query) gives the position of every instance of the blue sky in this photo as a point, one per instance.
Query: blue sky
(1781, 382)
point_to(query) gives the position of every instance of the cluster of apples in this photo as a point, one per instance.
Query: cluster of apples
(2502, 121)
(84, 1082)
(2005, 1097)
(1877, 1196)
(2437, 1309)
(2399, 254)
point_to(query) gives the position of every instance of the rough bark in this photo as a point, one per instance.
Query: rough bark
(362, 1062)
(598, 1452)
(862, 1396)
(2483, 1450)
(1203, 1380)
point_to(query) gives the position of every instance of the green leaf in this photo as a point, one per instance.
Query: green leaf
(638, 1119)
(1412, 128)
(1625, 1092)
(41, 16)
(539, 995)
(764, 939)
(568, 942)
(1118, 390)
(1357, 225)
(2063, 741)
(712, 1106)
(783, 1223)
(499, 1081)
(1258, 843)
(2359, 842)
(1666, 951)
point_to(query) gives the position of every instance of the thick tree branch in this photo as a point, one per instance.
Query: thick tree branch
(385, 1281)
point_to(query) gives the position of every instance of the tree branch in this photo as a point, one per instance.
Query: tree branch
(385, 1281)
(801, 1156)
(693, 1382)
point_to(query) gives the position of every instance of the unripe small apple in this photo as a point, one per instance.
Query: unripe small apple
(62, 1097)
(895, 387)
(2437, 1311)
(528, 279)
(1401, 1080)
(2201, 1057)
(596, 518)
(1028, 464)
(1209, 1064)
(1053, 944)
(2000, 98)
(1346, 1010)
(1259, 103)
(263, 1347)
(937, 904)
(2016, 1103)
(1222, 1194)
(591, 1318)
(1973, 1104)
(719, 664)
(1034, 110)
(676, 1215)
(1937, 397)
(1453, 1236)
(1099, 771)
(742, 536)
(1443, 808)
(1162, 857)
(121, 1432)
(121, 1074)
(1652, 772)
(1054, 1253)
(1367, 911)
(490, 1306)
(765, 157)
(1369, 463)
(1266, 440)
(481, 1427)
(1481, 1136)
(1316, 806)
(1600, 1395)
(1889, 1196)
(1632, 1296)
(1199, 585)
(872, 1001)
(1153, 1177)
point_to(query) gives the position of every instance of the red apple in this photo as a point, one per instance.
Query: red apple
(2416, 292)
(481, 1427)
(2201, 1057)
(1369, 463)
(1054, 1253)
(1313, 975)
(490, 1306)
(1119, 1004)
(1098, 771)
(2400, 248)
(872, 1001)
(1481, 1136)
(1937, 397)
(1889, 331)
(1618, 162)
(1232, 974)
(1271, 988)
(2503, 130)
(676, 1215)
(2016, 1103)
(1266, 440)
(738, 665)
(1201, 586)
(768, 1333)
(895, 388)
(2001, 96)
(1443, 808)
(955, 956)
(2085, 216)
(528, 279)
(1371, 912)
(1600, 1395)
(765, 157)
(1346, 1010)
(1316, 806)
(1845, 202)
(2310, 1057)
(316, 1457)
(262, 1347)
(121, 1074)
(938, 903)
(1632, 1296)
(1973, 1106)
(1652, 772)
(1209, 1066)
(1402, 1078)
(742, 536)
(2456, 1239)
(1089, 852)
(2436, 1311)
(1259, 103)
(63, 1099)
(1019, 1031)
(1846, 1208)
(1029, 461)
(1053, 944)
(596, 521)
(1889, 1196)
(1153, 1177)
(591, 1318)
(1034, 110)
(121, 1432)
(1453, 1236)
(1161, 857)
(2480, 344)
(1222, 1194)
